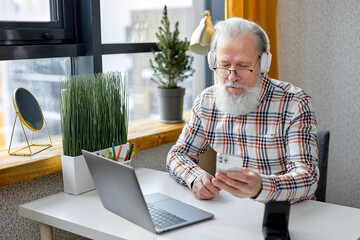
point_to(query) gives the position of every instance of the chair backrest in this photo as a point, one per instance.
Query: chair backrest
(323, 139)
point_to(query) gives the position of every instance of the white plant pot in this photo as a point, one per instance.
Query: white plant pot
(76, 174)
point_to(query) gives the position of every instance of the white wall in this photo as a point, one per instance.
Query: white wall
(319, 51)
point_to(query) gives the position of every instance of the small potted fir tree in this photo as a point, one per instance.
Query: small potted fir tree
(171, 65)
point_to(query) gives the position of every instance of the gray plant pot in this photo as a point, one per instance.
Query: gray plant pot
(171, 104)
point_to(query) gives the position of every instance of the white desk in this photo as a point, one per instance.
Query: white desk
(234, 218)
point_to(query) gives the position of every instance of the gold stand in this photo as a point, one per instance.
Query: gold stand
(46, 146)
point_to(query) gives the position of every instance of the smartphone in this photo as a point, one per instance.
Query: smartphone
(228, 162)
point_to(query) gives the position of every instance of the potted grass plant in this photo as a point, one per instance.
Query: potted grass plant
(94, 116)
(171, 66)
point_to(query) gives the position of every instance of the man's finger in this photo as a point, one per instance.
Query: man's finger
(209, 186)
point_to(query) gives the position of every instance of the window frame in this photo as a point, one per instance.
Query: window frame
(59, 30)
(77, 33)
(85, 48)
(63, 37)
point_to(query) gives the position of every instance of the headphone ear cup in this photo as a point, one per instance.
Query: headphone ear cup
(265, 62)
(211, 60)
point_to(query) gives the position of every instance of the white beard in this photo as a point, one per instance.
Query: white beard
(238, 105)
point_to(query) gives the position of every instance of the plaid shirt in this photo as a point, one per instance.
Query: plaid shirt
(278, 141)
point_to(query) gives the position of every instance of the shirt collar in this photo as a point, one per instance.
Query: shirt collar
(265, 87)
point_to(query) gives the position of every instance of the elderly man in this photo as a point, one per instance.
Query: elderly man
(269, 123)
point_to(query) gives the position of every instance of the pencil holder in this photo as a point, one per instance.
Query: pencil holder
(120, 153)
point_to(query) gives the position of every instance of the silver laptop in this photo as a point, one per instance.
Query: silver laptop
(117, 183)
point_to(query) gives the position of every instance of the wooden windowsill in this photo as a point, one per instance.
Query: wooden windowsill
(143, 134)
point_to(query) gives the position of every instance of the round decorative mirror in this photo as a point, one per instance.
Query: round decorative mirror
(28, 109)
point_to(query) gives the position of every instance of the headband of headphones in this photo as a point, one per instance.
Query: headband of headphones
(265, 60)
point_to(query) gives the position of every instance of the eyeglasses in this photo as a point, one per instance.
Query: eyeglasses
(241, 73)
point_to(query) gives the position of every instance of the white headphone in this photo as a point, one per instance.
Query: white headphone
(265, 60)
(266, 57)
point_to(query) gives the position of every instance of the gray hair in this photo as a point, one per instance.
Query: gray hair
(234, 27)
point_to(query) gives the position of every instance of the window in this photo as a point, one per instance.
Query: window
(41, 77)
(143, 100)
(137, 22)
(42, 41)
(25, 11)
(31, 29)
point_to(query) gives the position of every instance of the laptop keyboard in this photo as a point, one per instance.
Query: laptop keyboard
(163, 219)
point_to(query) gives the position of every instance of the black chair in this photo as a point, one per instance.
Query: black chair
(323, 139)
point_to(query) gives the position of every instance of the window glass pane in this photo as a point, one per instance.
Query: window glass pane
(143, 101)
(138, 20)
(42, 78)
(25, 10)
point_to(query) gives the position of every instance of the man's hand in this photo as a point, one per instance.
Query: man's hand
(203, 189)
(243, 184)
